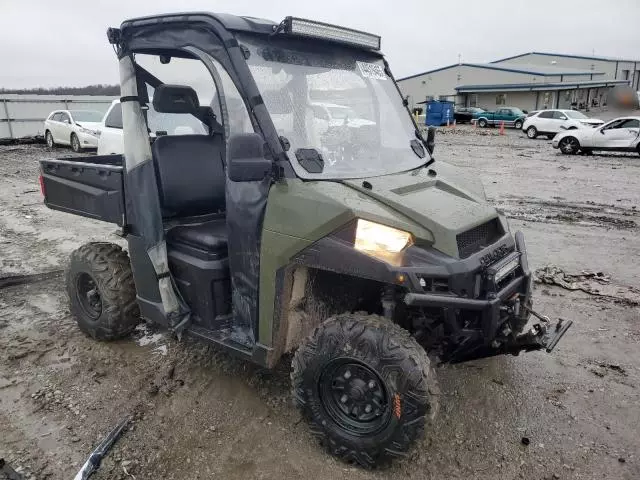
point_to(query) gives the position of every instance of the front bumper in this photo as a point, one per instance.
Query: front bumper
(499, 314)
(87, 140)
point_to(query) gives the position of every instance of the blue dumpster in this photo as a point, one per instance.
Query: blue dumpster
(439, 112)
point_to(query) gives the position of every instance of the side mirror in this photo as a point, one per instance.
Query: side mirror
(431, 139)
(602, 130)
(245, 158)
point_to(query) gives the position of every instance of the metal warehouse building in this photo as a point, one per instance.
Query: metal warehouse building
(530, 81)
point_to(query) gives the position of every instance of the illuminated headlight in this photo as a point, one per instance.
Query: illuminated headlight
(300, 26)
(382, 242)
(507, 268)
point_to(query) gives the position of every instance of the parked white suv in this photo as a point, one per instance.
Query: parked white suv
(77, 128)
(551, 122)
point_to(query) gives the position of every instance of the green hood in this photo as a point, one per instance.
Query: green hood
(433, 208)
(446, 204)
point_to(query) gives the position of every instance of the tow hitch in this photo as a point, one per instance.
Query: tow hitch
(541, 336)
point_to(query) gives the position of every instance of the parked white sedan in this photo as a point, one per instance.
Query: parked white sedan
(621, 135)
(551, 122)
(77, 128)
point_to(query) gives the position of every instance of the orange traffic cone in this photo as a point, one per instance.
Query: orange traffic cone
(502, 127)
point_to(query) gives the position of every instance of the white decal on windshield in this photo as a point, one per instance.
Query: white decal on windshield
(372, 70)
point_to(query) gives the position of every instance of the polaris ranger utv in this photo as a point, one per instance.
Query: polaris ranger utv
(255, 224)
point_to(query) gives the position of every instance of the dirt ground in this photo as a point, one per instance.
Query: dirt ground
(201, 414)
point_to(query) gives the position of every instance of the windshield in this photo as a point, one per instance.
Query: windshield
(86, 116)
(341, 113)
(574, 114)
(336, 100)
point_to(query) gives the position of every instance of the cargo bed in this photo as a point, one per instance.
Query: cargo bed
(91, 186)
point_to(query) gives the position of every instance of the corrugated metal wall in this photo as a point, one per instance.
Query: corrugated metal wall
(23, 115)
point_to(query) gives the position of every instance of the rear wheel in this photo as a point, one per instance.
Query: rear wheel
(49, 139)
(569, 145)
(518, 124)
(482, 123)
(75, 143)
(365, 386)
(532, 132)
(101, 291)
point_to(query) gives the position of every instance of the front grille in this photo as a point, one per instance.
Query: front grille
(434, 285)
(479, 237)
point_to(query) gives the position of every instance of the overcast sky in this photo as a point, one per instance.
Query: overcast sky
(62, 42)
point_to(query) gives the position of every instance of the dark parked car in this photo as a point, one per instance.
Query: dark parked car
(465, 114)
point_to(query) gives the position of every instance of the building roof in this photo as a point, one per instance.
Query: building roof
(541, 70)
(583, 57)
(535, 86)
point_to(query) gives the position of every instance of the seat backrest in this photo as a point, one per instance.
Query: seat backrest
(190, 174)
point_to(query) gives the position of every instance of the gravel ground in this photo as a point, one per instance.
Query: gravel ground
(201, 414)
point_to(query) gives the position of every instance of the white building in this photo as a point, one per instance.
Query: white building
(530, 81)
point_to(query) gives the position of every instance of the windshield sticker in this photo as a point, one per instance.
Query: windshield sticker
(372, 70)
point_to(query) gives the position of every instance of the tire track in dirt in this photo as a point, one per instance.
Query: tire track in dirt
(587, 214)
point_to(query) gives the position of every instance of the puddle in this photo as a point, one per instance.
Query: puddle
(145, 337)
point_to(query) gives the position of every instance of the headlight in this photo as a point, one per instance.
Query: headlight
(380, 241)
(89, 132)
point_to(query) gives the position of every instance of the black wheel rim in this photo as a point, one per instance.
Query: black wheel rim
(88, 296)
(569, 145)
(354, 396)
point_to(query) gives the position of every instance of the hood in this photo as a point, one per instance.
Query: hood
(90, 125)
(449, 203)
(591, 121)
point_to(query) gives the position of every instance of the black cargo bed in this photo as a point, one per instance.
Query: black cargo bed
(91, 186)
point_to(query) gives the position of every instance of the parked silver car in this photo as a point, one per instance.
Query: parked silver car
(620, 135)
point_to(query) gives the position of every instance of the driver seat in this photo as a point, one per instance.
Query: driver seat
(191, 177)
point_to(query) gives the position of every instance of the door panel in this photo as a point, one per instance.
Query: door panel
(558, 121)
(64, 129)
(618, 134)
(544, 122)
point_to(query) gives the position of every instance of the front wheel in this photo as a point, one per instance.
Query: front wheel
(532, 132)
(101, 291)
(365, 386)
(75, 143)
(482, 123)
(569, 145)
(518, 124)
(49, 139)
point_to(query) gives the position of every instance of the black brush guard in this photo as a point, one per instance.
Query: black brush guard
(542, 336)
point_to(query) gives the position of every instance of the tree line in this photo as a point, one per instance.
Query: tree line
(111, 90)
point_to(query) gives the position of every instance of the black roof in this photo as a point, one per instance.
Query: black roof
(230, 22)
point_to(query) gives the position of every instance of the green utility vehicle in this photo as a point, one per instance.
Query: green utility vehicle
(255, 224)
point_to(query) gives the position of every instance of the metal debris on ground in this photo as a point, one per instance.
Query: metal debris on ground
(93, 462)
(593, 283)
(7, 472)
